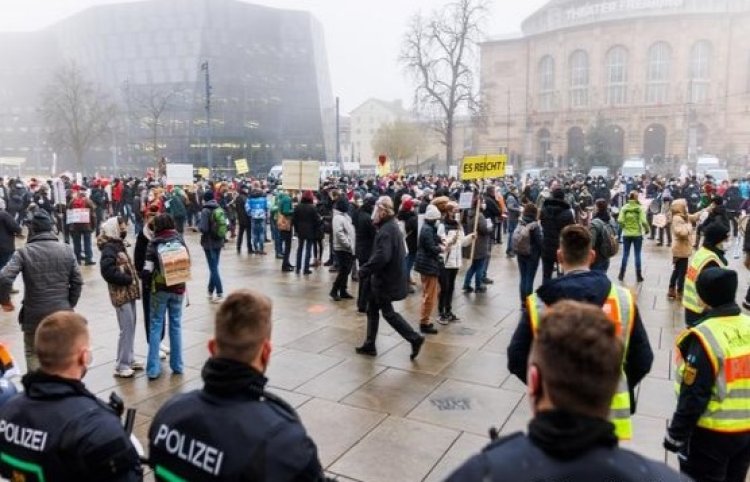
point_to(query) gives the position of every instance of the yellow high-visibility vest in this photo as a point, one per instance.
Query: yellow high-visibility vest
(690, 298)
(726, 341)
(620, 309)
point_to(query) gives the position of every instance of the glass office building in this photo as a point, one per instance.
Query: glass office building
(270, 87)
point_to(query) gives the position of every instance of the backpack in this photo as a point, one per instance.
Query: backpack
(218, 223)
(607, 244)
(521, 240)
(174, 262)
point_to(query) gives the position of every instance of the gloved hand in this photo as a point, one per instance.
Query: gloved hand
(673, 445)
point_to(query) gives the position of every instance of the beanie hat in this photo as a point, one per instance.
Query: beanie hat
(717, 286)
(208, 196)
(342, 205)
(41, 222)
(432, 213)
(715, 233)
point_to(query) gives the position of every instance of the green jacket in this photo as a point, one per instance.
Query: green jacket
(633, 220)
(284, 204)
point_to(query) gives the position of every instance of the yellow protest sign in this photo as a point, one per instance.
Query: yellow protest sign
(204, 172)
(483, 167)
(241, 166)
(383, 169)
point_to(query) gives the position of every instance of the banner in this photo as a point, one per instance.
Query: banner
(300, 175)
(241, 166)
(483, 167)
(78, 216)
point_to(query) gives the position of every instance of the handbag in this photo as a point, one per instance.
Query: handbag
(659, 220)
(284, 223)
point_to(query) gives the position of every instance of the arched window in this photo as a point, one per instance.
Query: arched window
(657, 73)
(700, 71)
(579, 79)
(546, 83)
(617, 76)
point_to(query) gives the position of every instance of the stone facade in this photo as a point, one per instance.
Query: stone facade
(670, 78)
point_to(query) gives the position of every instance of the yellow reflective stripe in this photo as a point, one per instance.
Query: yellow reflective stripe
(690, 298)
(623, 428)
(535, 307)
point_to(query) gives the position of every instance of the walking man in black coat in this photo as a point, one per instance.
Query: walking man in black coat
(387, 280)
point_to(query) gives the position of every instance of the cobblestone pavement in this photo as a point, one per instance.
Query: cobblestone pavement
(383, 419)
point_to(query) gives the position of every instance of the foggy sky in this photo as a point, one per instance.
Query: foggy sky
(363, 37)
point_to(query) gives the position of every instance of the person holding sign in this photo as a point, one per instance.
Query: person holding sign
(82, 218)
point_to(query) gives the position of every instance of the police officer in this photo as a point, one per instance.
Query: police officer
(574, 369)
(58, 431)
(710, 429)
(581, 284)
(233, 429)
(711, 254)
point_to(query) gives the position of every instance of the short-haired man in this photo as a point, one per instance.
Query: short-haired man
(573, 372)
(579, 283)
(232, 429)
(51, 277)
(57, 430)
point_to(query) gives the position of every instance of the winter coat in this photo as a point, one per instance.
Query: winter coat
(681, 228)
(410, 222)
(116, 267)
(256, 206)
(208, 239)
(482, 241)
(429, 249)
(452, 235)
(51, 278)
(306, 221)
(513, 206)
(385, 267)
(83, 203)
(633, 220)
(344, 238)
(537, 238)
(365, 231)
(555, 215)
(9, 229)
(242, 218)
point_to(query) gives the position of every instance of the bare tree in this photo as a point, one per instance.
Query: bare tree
(437, 52)
(151, 104)
(399, 141)
(76, 112)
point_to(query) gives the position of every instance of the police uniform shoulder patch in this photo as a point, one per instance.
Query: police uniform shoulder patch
(688, 378)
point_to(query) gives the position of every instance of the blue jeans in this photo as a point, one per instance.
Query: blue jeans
(636, 242)
(161, 303)
(307, 244)
(527, 266)
(409, 261)
(476, 270)
(511, 227)
(214, 280)
(84, 236)
(259, 234)
(276, 236)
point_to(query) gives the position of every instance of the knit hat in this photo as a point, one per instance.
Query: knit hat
(41, 222)
(208, 196)
(342, 205)
(715, 233)
(432, 213)
(717, 286)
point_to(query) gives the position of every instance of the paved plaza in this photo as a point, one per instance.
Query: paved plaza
(387, 418)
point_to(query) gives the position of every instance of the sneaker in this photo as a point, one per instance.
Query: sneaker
(443, 319)
(366, 350)
(488, 281)
(164, 348)
(428, 329)
(137, 366)
(124, 373)
(671, 293)
(481, 289)
(453, 318)
(89, 263)
(162, 355)
(346, 296)
(468, 289)
(218, 298)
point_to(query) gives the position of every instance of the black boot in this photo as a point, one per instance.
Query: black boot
(639, 277)
(621, 276)
(367, 349)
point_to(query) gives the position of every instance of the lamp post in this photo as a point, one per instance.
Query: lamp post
(209, 158)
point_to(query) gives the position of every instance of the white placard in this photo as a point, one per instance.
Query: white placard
(79, 216)
(452, 171)
(301, 175)
(464, 202)
(180, 174)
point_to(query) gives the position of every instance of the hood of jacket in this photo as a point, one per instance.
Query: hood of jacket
(679, 207)
(229, 378)
(553, 207)
(257, 193)
(212, 204)
(587, 286)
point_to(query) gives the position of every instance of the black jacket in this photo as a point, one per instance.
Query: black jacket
(9, 229)
(306, 221)
(555, 215)
(590, 287)
(76, 436)
(428, 251)
(562, 447)
(365, 233)
(386, 264)
(411, 228)
(492, 208)
(242, 219)
(246, 433)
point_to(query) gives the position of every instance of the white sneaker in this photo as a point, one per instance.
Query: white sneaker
(218, 299)
(162, 355)
(124, 373)
(137, 365)
(164, 348)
